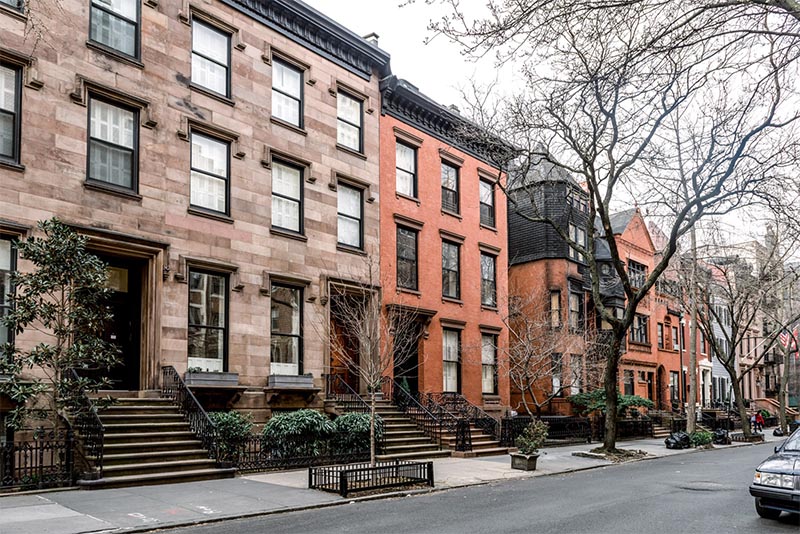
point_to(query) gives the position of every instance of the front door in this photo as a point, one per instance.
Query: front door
(124, 329)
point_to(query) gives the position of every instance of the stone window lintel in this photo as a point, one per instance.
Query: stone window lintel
(84, 86)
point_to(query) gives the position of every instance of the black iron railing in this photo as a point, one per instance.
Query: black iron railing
(173, 387)
(47, 461)
(345, 479)
(626, 428)
(458, 405)
(257, 453)
(90, 428)
(560, 429)
(432, 425)
(336, 388)
(445, 408)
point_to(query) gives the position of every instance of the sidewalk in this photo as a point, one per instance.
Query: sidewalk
(149, 507)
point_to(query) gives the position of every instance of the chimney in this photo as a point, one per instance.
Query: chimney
(372, 38)
(455, 109)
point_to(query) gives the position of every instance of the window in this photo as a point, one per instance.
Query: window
(639, 329)
(7, 260)
(555, 309)
(211, 54)
(637, 273)
(350, 216)
(487, 203)
(674, 387)
(451, 286)
(349, 114)
(10, 103)
(286, 327)
(406, 164)
(208, 323)
(449, 188)
(576, 312)
(287, 93)
(451, 360)
(660, 336)
(627, 380)
(113, 140)
(556, 368)
(676, 344)
(115, 24)
(488, 281)
(16, 4)
(579, 201)
(209, 186)
(576, 369)
(702, 342)
(287, 197)
(578, 236)
(489, 364)
(406, 258)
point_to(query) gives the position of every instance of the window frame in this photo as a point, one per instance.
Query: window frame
(226, 328)
(456, 362)
(557, 323)
(16, 148)
(228, 67)
(578, 235)
(578, 314)
(676, 343)
(456, 192)
(484, 365)
(640, 326)
(493, 303)
(457, 270)
(360, 126)
(301, 311)
(414, 175)
(301, 101)
(628, 385)
(19, 7)
(300, 201)
(398, 258)
(660, 335)
(557, 371)
(360, 191)
(134, 188)
(12, 267)
(227, 177)
(637, 273)
(491, 207)
(137, 24)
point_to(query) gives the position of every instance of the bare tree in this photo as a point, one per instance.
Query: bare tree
(605, 83)
(371, 338)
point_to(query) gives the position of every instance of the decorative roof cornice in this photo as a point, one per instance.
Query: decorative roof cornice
(315, 31)
(405, 102)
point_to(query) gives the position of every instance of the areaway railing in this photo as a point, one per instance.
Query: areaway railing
(46, 461)
(173, 387)
(345, 479)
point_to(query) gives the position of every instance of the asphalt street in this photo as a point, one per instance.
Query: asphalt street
(699, 492)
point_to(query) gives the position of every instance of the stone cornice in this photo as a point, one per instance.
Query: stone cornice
(317, 32)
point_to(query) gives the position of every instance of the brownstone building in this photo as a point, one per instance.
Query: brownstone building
(223, 158)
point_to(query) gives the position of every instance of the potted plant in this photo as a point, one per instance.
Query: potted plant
(528, 444)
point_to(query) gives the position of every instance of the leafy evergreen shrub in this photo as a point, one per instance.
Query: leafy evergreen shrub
(352, 432)
(533, 437)
(233, 429)
(701, 437)
(299, 433)
(596, 400)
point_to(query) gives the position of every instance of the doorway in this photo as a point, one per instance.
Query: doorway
(125, 326)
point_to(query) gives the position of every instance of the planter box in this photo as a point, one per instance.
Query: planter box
(206, 378)
(291, 381)
(525, 462)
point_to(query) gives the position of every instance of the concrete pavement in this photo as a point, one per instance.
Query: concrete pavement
(149, 507)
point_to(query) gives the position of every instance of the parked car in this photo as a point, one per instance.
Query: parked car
(776, 483)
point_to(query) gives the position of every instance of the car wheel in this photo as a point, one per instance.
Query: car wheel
(766, 513)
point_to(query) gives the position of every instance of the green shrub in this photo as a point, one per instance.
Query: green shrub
(533, 437)
(233, 429)
(701, 437)
(352, 431)
(764, 413)
(299, 433)
(596, 401)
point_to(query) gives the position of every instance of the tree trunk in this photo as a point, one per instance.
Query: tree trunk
(783, 390)
(372, 427)
(610, 379)
(739, 400)
(691, 415)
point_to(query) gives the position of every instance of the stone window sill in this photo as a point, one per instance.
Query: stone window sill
(351, 250)
(208, 214)
(288, 125)
(101, 187)
(12, 166)
(119, 56)
(288, 233)
(352, 152)
(211, 94)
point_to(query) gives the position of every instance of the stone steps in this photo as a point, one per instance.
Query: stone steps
(157, 478)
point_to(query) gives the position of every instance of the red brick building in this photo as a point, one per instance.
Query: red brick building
(443, 246)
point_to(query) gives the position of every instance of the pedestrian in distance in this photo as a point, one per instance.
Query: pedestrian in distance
(753, 422)
(759, 422)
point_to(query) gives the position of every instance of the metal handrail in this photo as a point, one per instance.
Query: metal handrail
(429, 423)
(173, 387)
(351, 401)
(89, 426)
(457, 403)
(452, 422)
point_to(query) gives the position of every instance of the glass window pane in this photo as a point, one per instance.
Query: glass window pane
(349, 232)
(125, 8)
(450, 345)
(113, 32)
(487, 350)
(284, 350)
(349, 136)
(487, 379)
(449, 256)
(209, 75)
(6, 135)
(349, 201)
(405, 183)
(348, 109)
(110, 164)
(285, 303)
(209, 155)
(5, 256)
(207, 343)
(210, 42)
(208, 192)
(449, 177)
(486, 193)
(8, 89)
(286, 180)
(406, 158)
(112, 124)
(207, 293)
(285, 108)
(287, 79)
(450, 375)
(286, 213)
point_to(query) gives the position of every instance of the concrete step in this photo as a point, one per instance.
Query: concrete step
(150, 446)
(162, 456)
(158, 467)
(139, 409)
(134, 428)
(494, 451)
(144, 437)
(444, 453)
(406, 440)
(157, 478)
(131, 418)
(399, 449)
(139, 401)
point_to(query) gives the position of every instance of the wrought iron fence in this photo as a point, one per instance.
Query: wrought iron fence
(626, 428)
(173, 387)
(91, 430)
(451, 423)
(345, 479)
(336, 388)
(47, 461)
(560, 428)
(431, 424)
(257, 453)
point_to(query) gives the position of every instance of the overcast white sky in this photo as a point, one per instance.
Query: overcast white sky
(438, 69)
